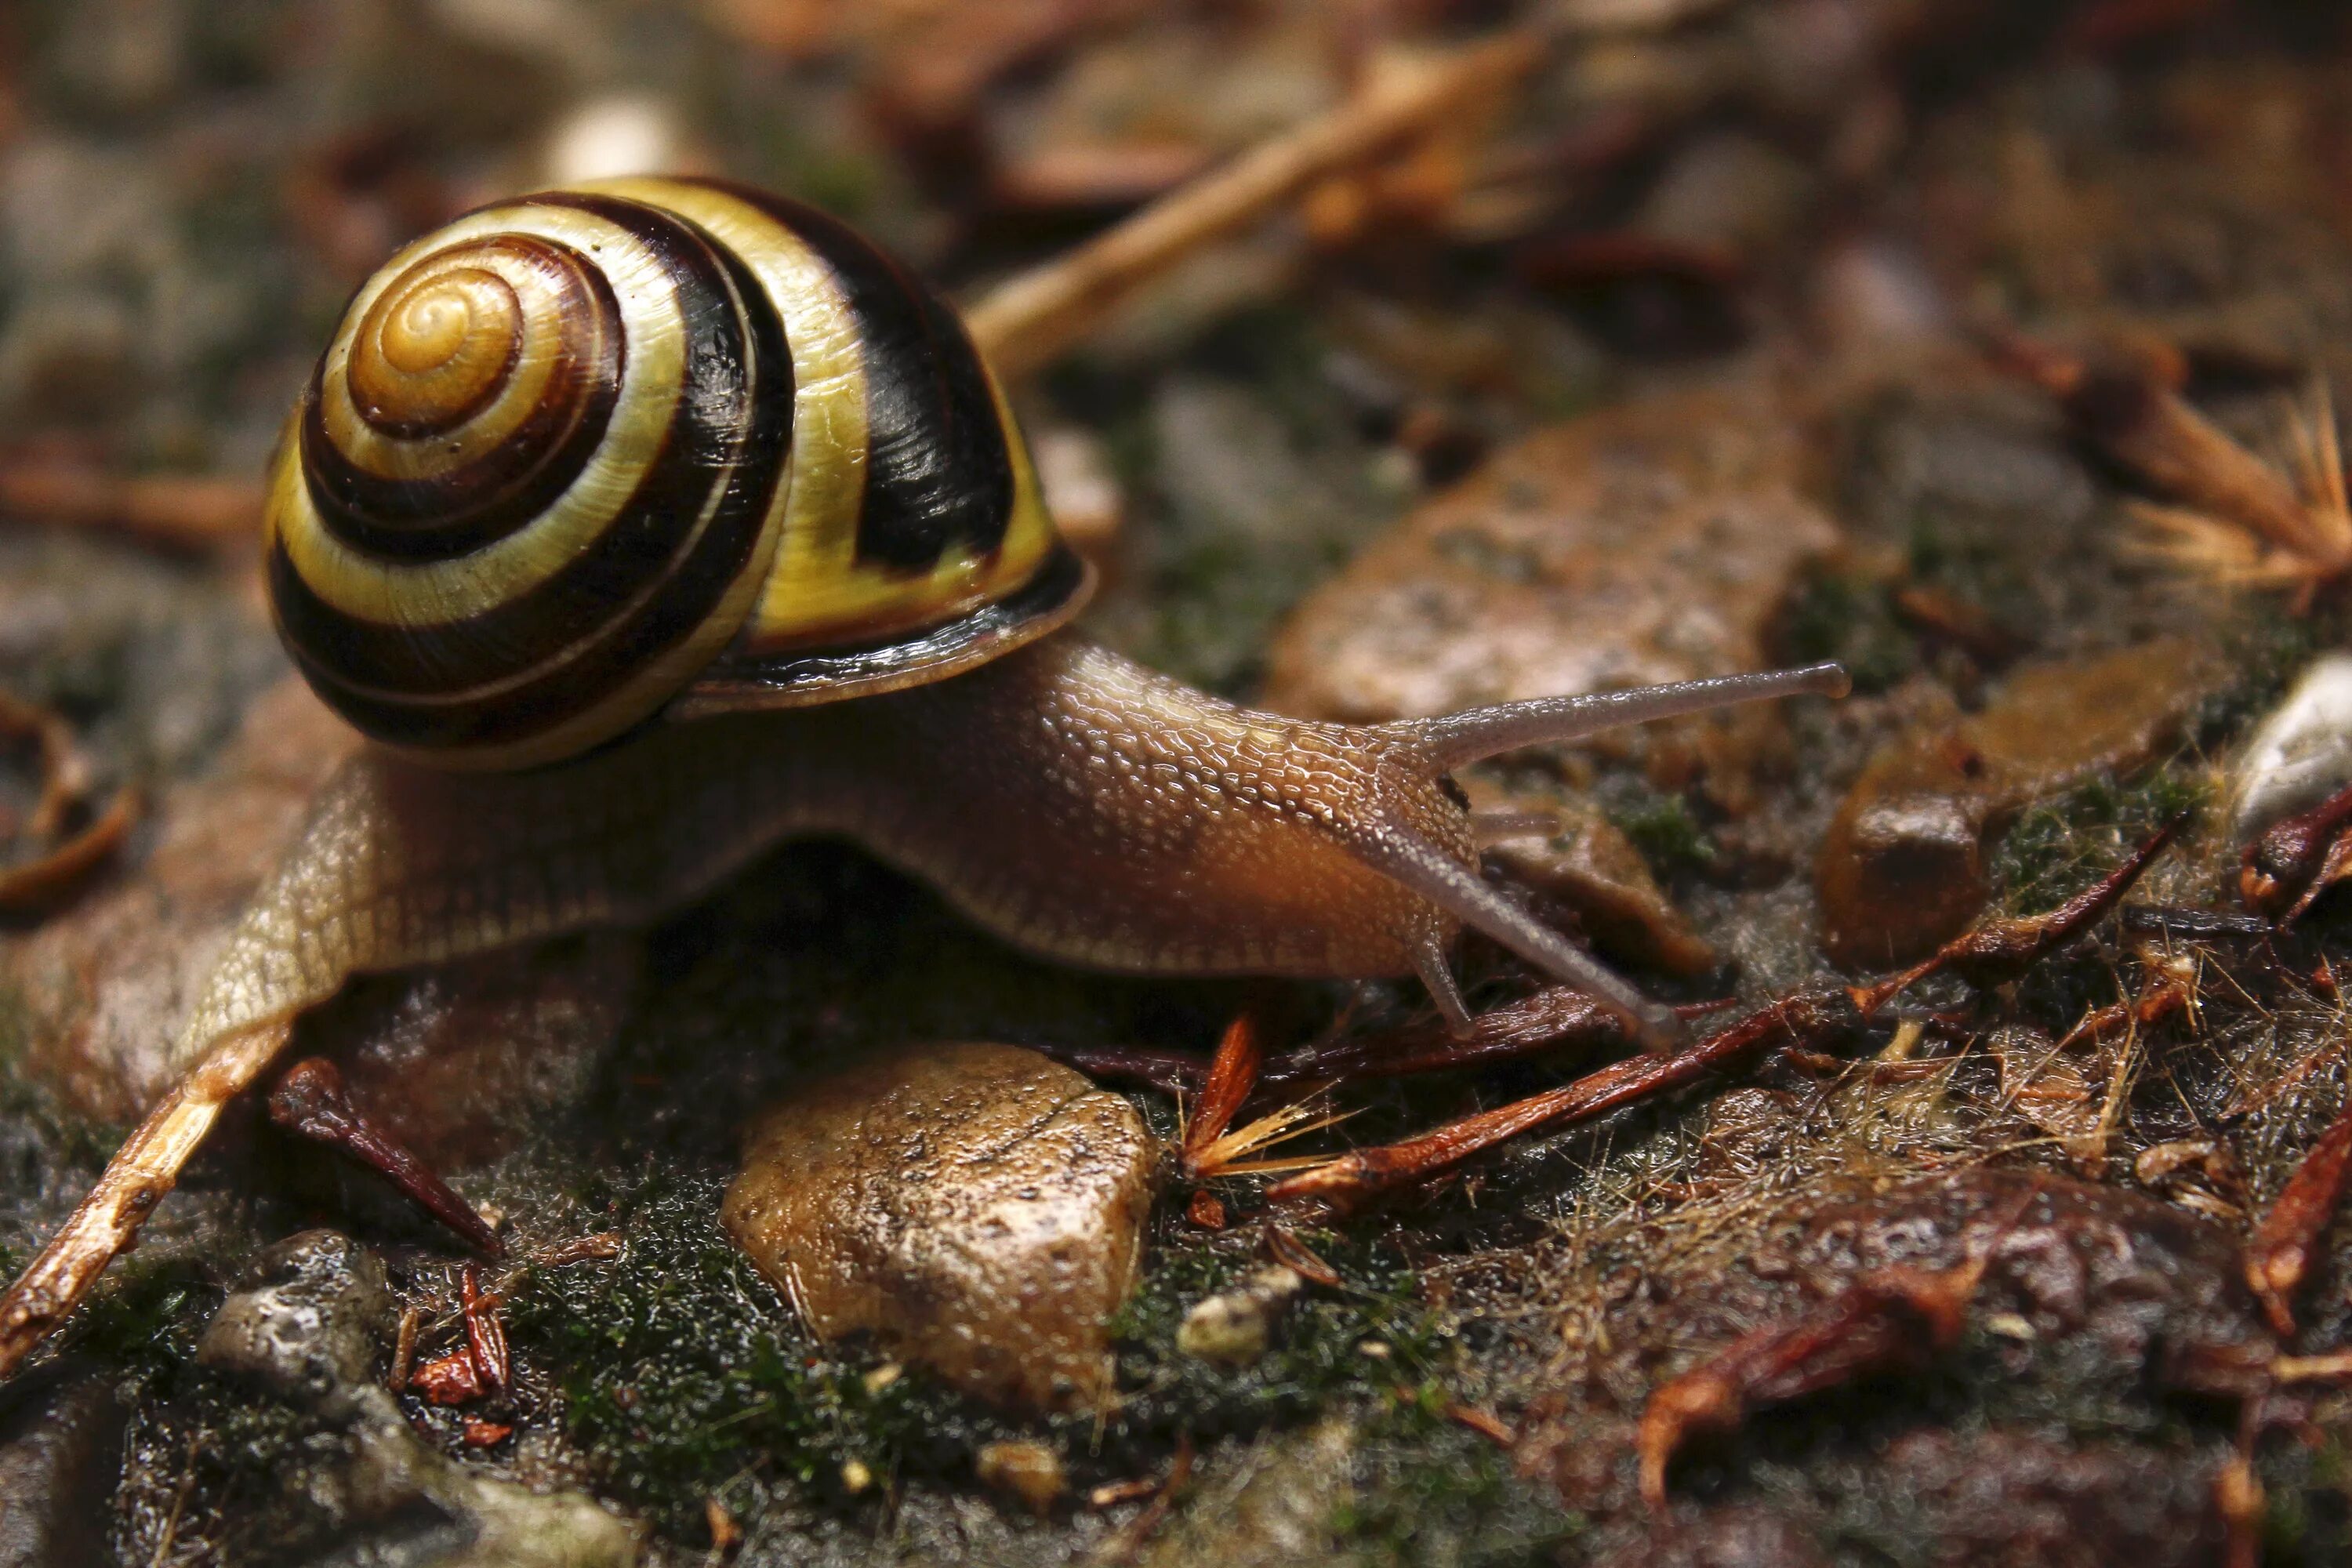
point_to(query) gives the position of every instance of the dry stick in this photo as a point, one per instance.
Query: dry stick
(181, 511)
(1356, 1178)
(1232, 1075)
(1028, 320)
(147, 1166)
(37, 884)
(2281, 1251)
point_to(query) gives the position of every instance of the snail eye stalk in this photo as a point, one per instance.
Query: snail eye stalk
(1390, 844)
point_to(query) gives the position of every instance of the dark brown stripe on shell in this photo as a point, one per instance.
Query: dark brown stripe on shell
(938, 473)
(468, 508)
(806, 678)
(733, 426)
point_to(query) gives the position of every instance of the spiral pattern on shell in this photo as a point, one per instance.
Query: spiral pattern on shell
(573, 452)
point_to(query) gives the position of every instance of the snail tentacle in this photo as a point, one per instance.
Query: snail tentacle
(1429, 871)
(1431, 962)
(1454, 740)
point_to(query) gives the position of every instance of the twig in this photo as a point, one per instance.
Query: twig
(2280, 1252)
(39, 883)
(106, 1222)
(181, 512)
(1026, 322)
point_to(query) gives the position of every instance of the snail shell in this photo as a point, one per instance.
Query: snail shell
(579, 452)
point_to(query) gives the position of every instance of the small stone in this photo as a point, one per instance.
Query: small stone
(60, 1441)
(306, 1325)
(974, 1207)
(614, 135)
(307, 1320)
(1651, 541)
(1234, 1326)
(1029, 1472)
(1590, 865)
(1902, 868)
(2299, 754)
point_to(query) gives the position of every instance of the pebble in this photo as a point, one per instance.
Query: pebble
(976, 1208)
(307, 1320)
(1903, 865)
(618, 134)
(1233, 1328)
(2299, 754)
(307, 1324)
(1030, 1472)
(1649, 541)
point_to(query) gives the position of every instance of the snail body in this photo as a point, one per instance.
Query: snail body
(645, 525)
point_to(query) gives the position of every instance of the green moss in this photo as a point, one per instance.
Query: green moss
(1852, 620)
(144, 1323)
(683, 1376)
(1660, 825)
(1426, 1490)
(1320, 1363)
(2059, 845)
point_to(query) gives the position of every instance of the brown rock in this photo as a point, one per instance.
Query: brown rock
(108, 982)
(1648, 541)
(974, 1207)
(1902, 867)
(1029, 1472)
(1592, 867)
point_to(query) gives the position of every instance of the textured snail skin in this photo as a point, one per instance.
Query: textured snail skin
(1065, 798)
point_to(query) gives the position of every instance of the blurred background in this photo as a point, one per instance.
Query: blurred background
(189, 192)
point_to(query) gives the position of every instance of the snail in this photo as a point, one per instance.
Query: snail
(643, 524)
